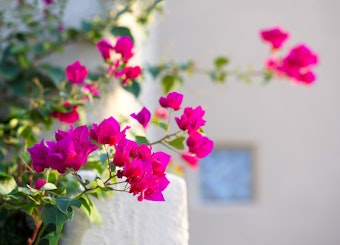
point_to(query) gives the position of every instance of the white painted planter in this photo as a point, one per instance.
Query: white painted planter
(129, 222)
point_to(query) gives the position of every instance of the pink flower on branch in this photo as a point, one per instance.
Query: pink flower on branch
(39, 183)
(105, 47)
(161, 113)
(191, 119)
(297, 64)
(124, 46)
(107, 132)
(199, 145)
(172, 100)
(143, 117)
(191, 159)
(39, 154)
(70, 116)
(70, 150)
(91, 89)
(76, 72)
(275, 36)
(128, 74)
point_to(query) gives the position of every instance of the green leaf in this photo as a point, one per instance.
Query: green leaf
(27, 191)
(154, 70)
(55, 74)
(58, 214)
(48, 187)
(9, 71)
(90, 210)
(163, 125)
(141, 140)
(134, 88)
(122, 31)
(170, 83)
(7, 183)
(220, 62)
(177, 143)
(86, 26)
(267, 76)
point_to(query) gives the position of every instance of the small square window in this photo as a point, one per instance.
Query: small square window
(226, 175)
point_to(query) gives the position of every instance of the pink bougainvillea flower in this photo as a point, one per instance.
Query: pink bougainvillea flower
(143, 117)
(39, 183)
(191, 159)
(172, 100)
(38, 153)
(129, 73)
(69, 117)
(160, 161)
(105, 47)
(48, 2)
(107, 132)
(199, 145)
(76, 72)
(155, 188)
(191, 119)
(297, 64)
(275, 36)
(70, 150)
(61, 28)
(143, 182)
(300, 56)
(123, 152)
(161, 113)
(91, 89)
(124, 46)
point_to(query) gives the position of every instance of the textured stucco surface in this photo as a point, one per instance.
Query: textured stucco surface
(129, 222)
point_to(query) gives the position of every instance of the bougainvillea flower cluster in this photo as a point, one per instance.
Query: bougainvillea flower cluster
(137, 164)
(117, 57)
(173, 100)
(69, 150)
(76, 74)
(70, 115)
(297, 64)
(191, 121)
(118, 66)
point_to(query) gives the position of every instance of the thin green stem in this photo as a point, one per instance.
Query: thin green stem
(167, 136)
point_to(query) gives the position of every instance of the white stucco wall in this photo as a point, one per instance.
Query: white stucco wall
(295, 130)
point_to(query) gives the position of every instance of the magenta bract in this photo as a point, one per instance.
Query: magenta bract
(129, 73)
(191, 119)
(275, 36)
(107, 132)
(105, 47)
(70, 150)
(143, 117)
(39, 183)
(172, 100)
(124, 46)
(39, 154)
(69, 117)
(76, 72)
(199, 145)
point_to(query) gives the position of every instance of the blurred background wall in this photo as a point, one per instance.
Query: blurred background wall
(294, 130)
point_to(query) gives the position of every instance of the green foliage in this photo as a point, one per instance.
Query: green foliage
(7, 183)
(122, 31)
(134, 88)
(142, 140)
(177, 143)
(170, 83)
